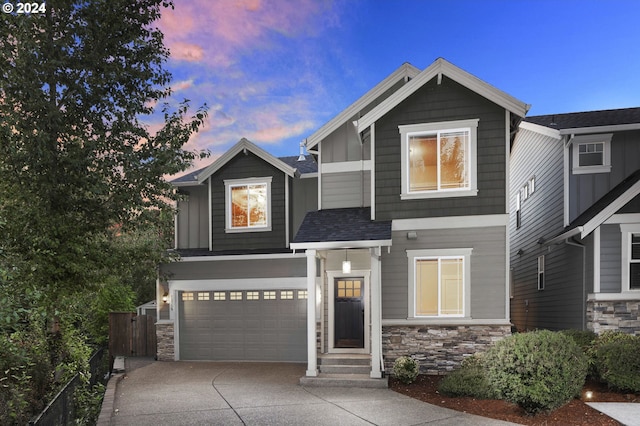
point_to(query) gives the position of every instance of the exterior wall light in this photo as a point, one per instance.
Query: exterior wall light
(346, 263)
(165, 297)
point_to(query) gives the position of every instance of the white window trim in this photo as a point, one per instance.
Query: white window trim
(415, 129)
(541, 271)
(228, 183)
(414, 255)
(606, 154)
(627, 230)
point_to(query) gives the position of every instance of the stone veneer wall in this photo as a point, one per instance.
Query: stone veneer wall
(439, 349)
(164, 335)
(622, 315)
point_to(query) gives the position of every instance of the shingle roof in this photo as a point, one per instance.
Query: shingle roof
(609, 117)
(306, 166)
(350, 224)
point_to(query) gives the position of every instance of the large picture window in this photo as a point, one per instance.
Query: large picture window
(438, 159)
(439, 283)
(248, 204)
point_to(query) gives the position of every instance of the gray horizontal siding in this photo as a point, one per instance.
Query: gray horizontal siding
(347, 189)
(236, 269)
(435, 103)
(610, 255)
(560, 305)
(488, 269)
(241, 167)
(193, 218)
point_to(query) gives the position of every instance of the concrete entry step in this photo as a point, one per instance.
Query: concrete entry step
(344, 359)
(344, 381)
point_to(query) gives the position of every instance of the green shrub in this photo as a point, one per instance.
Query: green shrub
(539, 371)
(406, 369)
(468, 380)
(617, 361)
(583, 338)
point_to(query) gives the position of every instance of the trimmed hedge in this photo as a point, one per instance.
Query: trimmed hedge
(539, 371)
(468, 380)
(616, 357)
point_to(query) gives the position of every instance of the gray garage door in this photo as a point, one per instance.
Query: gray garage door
(243, 325)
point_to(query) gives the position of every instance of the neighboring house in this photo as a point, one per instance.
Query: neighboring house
(575, 231)
(403, 251)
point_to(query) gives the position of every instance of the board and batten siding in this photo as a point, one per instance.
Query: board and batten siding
(610, 255)
(586, 189)
(443, 102)
(346, 189)
(242, 167)
(488, 266)
(193, 218)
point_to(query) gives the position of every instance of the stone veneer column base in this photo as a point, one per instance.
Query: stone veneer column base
(439, 349)
(621, 315)
(165, 339)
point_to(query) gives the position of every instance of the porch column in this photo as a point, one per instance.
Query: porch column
(376, 315)
(312, 361)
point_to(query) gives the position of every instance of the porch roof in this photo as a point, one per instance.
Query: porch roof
(342, 228)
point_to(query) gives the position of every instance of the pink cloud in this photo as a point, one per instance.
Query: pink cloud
(278, 133)
(214, 31)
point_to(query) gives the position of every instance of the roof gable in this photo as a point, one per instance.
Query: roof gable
(241, 146)
(405, 71)
(437, 69)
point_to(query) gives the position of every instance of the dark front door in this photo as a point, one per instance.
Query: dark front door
(349, 313)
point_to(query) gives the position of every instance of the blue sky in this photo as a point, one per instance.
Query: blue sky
(274, 71)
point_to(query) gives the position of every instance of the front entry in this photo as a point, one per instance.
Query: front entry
(349, 312)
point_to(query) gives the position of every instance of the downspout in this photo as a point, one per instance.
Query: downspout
(572, 242)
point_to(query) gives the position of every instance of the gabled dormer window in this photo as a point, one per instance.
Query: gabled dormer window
(439, 159)
(592, 154)
(248, 204)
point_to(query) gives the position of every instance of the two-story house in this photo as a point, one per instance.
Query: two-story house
(403, 251)
(575, 231)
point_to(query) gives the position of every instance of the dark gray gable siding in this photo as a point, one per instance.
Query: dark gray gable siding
(193, 215)
(586, 189)
(241, 167)
(435, 103)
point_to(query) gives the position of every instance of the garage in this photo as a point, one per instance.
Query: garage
(248, 325)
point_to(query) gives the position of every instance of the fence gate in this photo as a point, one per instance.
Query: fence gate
(131, 334)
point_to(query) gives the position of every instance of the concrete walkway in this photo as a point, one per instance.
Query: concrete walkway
(218, 393)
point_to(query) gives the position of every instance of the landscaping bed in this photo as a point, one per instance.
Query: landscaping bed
(576, 412)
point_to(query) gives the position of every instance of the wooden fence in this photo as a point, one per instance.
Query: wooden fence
(131, 334)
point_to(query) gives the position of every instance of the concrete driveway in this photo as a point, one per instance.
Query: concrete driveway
(221, 393)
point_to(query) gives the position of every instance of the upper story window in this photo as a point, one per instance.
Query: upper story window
(592, 154)
(439, 282)
(439, 159)
(248, 204)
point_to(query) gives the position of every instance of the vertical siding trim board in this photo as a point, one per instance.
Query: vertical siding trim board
(210, 207)
(596, 260)
(286, 210)
(507, 239)
(373, 171)
(439, 349)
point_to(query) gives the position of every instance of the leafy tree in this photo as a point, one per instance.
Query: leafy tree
(76, 158)
(83, 201)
